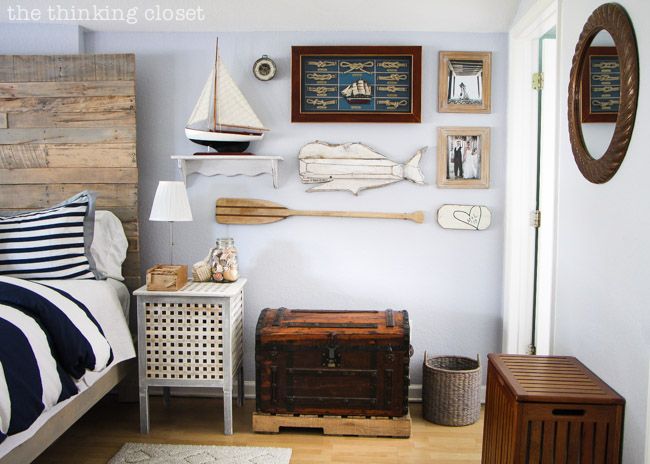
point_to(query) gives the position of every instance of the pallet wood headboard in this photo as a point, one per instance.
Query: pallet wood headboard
(67, 123)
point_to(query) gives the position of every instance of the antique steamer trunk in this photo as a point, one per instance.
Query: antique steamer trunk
(549, 409)
(332, 362)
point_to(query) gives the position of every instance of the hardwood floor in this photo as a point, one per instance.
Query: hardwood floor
(103, 430)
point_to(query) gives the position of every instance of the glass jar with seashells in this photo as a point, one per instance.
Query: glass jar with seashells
(223, 261)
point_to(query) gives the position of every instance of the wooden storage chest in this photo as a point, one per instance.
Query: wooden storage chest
(332, 362)
(549, 409)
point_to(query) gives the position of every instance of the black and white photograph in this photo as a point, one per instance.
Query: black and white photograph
(463, 157)
(464, 82)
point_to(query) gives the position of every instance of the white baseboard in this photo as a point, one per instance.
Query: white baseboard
(415, 392)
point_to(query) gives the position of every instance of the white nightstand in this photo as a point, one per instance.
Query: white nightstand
(193, 337)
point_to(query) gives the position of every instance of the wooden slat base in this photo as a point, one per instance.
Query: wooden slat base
(398, 427)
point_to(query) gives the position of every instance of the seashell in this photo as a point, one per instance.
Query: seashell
(218, 268)
(217, 276)
(231, 275)
(201, 272)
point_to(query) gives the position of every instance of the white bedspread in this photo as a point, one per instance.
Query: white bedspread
(103, 299)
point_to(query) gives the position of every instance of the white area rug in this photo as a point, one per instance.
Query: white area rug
(151, 453)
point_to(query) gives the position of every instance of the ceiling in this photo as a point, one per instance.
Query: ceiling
(274, 15)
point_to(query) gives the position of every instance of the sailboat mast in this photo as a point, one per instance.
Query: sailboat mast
(214, 92)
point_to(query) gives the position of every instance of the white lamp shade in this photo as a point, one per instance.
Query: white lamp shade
(171, 202)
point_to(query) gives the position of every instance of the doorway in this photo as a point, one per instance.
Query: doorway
(531, 182)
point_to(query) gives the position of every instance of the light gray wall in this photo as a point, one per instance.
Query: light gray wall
(30, 38)
(449, 281)
(602, 296)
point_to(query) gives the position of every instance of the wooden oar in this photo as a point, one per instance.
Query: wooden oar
(247, 211)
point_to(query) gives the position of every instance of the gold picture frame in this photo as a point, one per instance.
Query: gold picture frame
(465, 82)
(464, 157)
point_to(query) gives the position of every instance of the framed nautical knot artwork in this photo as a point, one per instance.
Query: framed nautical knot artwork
(464, 82)
(600, 88)
(464, 157)
(356, 84)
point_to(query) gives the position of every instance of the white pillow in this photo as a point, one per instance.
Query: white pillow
(109, 245)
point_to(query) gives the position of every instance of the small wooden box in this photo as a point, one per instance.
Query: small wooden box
(166, 277)
(549, 409)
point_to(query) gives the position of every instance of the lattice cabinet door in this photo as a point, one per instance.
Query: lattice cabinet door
(191, 338)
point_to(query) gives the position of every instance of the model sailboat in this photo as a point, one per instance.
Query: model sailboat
(222, 118)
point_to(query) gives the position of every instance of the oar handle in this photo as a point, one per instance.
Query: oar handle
(416, 216)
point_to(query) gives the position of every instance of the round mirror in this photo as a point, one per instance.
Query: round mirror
(603, 90)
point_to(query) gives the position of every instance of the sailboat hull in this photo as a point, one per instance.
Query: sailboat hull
(222, 141)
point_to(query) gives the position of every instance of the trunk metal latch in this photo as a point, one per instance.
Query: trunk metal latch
(332, 358)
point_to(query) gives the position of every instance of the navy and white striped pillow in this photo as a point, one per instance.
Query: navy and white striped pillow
(52, 243)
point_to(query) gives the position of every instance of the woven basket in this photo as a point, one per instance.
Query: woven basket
(450, 390)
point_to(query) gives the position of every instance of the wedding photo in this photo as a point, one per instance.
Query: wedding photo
(463, 157)
(464, 82)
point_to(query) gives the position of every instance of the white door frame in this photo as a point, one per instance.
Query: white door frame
(521, 177)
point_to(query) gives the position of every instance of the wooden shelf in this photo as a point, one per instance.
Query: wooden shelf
(229, 165)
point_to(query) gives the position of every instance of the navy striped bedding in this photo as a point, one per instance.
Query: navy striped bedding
(52, 243)
(47, 339)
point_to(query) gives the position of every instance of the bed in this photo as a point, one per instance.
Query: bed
(67, 124)
(109, 301)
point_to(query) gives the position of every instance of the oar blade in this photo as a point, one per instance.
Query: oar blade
(247, 211)
(225, 219)
(247, 203)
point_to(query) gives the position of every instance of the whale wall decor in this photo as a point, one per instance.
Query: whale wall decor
(353, 167)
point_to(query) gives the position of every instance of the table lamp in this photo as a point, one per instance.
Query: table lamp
(171, 204)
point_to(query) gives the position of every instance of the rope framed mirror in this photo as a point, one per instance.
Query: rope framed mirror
(622, 90)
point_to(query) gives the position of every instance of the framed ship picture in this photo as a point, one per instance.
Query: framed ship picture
(356, 84)
(465, 82)
(601, 85)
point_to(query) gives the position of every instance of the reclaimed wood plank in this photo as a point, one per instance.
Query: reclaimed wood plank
(114, 67)
(28, 155)
(132, 262)
(91, 155)
(6, 68)
(68, 135)
(129, 217)
(23, 156)
(69, 176)
(134, 243)
(25, 196)
(75, 67)
(35, 68)
(68, 104)
(65, 89)
(3, 120)
(35, 119)
(52, 68)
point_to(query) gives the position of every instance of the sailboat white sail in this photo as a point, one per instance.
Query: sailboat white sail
(222, 117)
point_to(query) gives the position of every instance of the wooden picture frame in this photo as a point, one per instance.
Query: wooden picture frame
(464, 172)
(356, 84)
(600, 88)
(465, 82)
